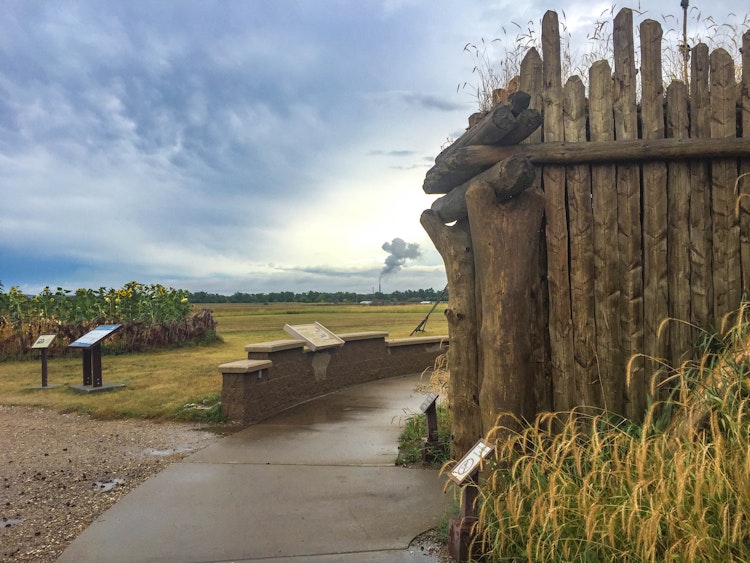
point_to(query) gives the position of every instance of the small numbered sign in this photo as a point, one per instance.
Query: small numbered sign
(429, 401)
(470, 462)
(43, 341)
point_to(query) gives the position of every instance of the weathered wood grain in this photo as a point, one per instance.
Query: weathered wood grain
(654, 180)
(470, 161)
(455, 246)
(629, 213)
(726, 232)
(553, 182)
(578, 177)
(507, 381)
(507, 178)
(453, 168)
(744, 183)
(607, 264)
(678, 262)
(531, 82)
(701, 226)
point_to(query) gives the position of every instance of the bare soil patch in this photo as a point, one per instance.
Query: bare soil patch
(59, 472)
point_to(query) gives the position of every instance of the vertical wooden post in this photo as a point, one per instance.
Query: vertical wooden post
(701, 223)
(507, 384)
(744, 185)
(655, 285)
(531, 82)
(455, 246)
(553, 181)
(607, 263)
(678, 191)
(629, 212)
(588, 386)
(726, 231)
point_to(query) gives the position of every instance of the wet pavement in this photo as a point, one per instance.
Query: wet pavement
(316, 483)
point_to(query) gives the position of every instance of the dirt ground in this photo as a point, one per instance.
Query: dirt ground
(59, 472)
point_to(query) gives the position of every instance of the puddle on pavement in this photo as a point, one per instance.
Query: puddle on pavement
(106, 486)
(8, 522)
(170, 451)
(223, 429)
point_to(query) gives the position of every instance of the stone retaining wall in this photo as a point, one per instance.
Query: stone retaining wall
(282, 373)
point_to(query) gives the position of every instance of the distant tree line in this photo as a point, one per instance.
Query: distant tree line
(408, 296)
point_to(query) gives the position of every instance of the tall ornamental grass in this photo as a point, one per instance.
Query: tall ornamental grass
(599, 488)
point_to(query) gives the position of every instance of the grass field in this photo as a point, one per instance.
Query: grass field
(159, 384)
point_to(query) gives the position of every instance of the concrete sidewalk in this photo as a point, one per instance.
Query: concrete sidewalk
(316, 483)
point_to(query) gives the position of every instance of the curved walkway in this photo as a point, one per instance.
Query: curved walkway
(316, 483)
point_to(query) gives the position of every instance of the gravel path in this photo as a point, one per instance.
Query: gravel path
(59, 472)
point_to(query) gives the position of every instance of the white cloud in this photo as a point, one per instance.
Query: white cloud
(233, 146)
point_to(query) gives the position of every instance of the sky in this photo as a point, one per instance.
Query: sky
(240, 145)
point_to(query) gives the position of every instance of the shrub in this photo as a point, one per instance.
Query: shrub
(152, 317)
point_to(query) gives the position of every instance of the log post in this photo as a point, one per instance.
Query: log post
(506, 246)
(454, 245)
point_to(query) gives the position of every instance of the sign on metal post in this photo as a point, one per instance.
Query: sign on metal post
(461, 530)
(429, 408)
(42, 343)
(470, 462)
(90, 345)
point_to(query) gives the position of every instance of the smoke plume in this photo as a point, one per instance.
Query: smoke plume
(398, 253)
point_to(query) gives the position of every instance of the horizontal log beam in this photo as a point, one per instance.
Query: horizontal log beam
(507, 178)
(467, 162)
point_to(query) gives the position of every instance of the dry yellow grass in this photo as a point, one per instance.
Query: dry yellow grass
(599, 488)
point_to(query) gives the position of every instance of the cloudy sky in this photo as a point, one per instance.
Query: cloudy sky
(248, 145)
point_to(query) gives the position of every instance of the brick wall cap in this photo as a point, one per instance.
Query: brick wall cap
(274, 345)
(368, 335)
(245, 366)
(416, 340)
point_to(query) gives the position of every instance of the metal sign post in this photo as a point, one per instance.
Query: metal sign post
(432, 443)
(466, 472)
(42, 343)
(90, 344)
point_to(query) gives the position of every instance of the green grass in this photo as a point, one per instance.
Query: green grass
(413, 434)
(159, 384)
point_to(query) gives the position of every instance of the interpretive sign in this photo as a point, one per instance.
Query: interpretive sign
(43, 341)
(470, 462)
(93, 337)
(315, 335)
(90, 345)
